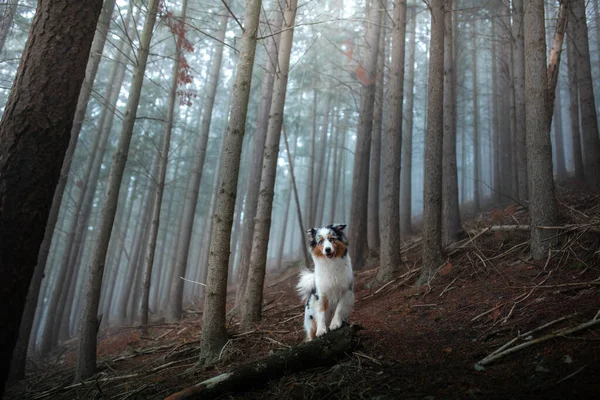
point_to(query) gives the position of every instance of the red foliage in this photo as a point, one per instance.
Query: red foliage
(184, 76)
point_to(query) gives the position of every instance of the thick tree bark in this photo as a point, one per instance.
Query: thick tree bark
(175, 305)
(260, 137)
(432, 187)
(84, 97)
(316, 353)
(34, 136)
(539, 147)
(390, 193)
(84, 199)
(214, 334)
(589, 122)
(406, 171)
(360, 175)
(86, 354)
(252, 303)
(451, 225)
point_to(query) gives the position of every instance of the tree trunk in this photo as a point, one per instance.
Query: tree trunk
(6, 22)
(390, 193)
(89, 179)
(252, 303)
(162, 173)
(373, 230)
(519, 77)
(432, 186)
(34, 135)
(260, 136)
(86, 354)
(359, 250)
(321, 352)
(574, 110)
(406, 172)
(475, 95)
(559, 146)
(214, 334)
(174, 305)
(451, 225)
(587, 105)
(307, 259)
(539, 147)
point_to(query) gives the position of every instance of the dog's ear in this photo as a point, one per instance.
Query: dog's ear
(311, 233)
(338, 227)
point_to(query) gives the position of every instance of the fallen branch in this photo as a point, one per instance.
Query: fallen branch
(319, 352)
(491, 358)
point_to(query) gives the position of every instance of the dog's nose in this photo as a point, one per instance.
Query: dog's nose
(327, 250)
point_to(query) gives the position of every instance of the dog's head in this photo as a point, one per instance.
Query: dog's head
(329, 241)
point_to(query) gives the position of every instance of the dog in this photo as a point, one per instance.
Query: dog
(328, 292)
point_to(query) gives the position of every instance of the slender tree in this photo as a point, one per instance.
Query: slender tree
(360, 176)
(260, 137)
(175, 303)
(475, 97)
(390, 194)
(539, 147)
(574, 109)
(34, 135)
(86, 354)
(519, 82)
(6, 21)
(252, 303)
(432, 187)
(451, 225)
(589, 123)
(373, 211)
(214, 334)
(407, 141)
(178, 29)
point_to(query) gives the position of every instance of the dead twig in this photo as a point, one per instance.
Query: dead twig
(560, 333)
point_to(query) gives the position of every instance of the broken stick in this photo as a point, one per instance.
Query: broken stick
(317, 353)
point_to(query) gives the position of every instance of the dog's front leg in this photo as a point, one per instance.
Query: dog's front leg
(322, 308)
(343, 309)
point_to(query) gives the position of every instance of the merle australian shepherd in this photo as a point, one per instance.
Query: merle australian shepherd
(328, 291)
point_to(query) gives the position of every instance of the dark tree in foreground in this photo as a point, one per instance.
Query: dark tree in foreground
(432, 187)
(539, 146)
(34, 135)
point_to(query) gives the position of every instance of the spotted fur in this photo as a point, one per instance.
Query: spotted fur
(328, 292)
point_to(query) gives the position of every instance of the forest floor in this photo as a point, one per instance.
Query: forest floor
(418, 342)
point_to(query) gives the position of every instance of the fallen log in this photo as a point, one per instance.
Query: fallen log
(323, 351)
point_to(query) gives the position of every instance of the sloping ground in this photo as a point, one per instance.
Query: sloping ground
(418, 342)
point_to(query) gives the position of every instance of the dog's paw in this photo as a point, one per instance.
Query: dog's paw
(321, 332)
(335, 324)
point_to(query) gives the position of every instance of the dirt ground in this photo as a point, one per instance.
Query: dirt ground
(418, 342)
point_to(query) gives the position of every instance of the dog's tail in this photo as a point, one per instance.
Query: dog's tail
(306, 284)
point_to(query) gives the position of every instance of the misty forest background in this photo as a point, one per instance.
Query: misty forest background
(342, 53)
